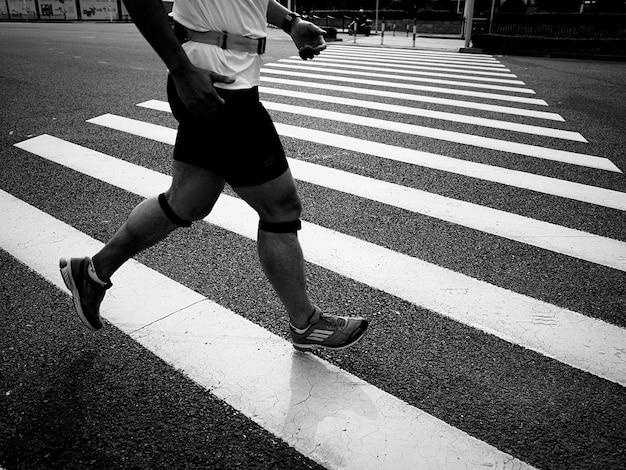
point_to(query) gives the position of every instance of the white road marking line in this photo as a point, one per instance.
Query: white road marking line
(517, 148)
(359, 65)
(570, 242)
(415, 56)
(519, 179)
(447, 62)
(326, 413)
(543, 184)
(418, 98)
(461, 118)
(400, 50)
(406, 86)
(576, 340)
(312, 67)
(393, 64)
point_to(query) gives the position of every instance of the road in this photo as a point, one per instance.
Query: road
(472, 207)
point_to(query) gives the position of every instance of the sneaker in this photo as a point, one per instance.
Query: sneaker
(87, 290)
(328, 332)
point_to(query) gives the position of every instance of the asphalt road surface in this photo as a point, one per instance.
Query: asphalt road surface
(472, 207)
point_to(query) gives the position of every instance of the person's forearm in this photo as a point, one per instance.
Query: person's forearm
(151, 20)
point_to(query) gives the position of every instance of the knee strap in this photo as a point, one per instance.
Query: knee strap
(280, 227)
(167, 210)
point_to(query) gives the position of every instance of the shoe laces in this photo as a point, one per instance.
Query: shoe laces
(333, 320)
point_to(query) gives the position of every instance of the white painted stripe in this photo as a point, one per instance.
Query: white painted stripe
(519, 179)
(251, 369)
(569, 337)
(462, 118)
(423, 60)
(418, 98)
(411, 52)
(407, 86)
(140, 128)
(575, 243)
(359, 65)
(393, 64)
(312, 67)
(517, 148)
(417, 56)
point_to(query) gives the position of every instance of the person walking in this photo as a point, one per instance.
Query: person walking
(225, 136)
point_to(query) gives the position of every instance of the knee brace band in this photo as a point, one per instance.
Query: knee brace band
(280, 227)
(170, 213)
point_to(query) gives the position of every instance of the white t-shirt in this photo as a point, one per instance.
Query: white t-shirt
(243, 17)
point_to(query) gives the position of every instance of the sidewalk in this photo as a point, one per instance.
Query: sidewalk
(400, 40)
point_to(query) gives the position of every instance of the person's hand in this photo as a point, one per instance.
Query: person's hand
(196, 90)
(309, 39)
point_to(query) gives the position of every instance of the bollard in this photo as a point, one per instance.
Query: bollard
(382, 34)
(414, 34)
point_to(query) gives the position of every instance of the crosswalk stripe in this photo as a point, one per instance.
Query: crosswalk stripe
(441, 54)
(494, 108)
(462, 118)
(576, 340)
(539, 183)
(253, 370)
(359, 65)
(447, 62)
(485, 62)
(542, 184)
(575, 243)
(573, 158)
(323, 68)
(392, 64)
(406, 86)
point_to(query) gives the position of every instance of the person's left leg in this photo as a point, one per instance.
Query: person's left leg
(191, 196)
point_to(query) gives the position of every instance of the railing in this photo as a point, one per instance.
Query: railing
(554, 26)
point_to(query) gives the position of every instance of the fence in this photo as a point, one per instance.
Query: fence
(574, 26)
(63, 10)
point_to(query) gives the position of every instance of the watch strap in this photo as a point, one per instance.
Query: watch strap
(288, 21)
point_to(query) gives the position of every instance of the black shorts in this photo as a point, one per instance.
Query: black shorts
(239, 142)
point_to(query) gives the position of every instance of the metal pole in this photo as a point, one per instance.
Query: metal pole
(376, 25)
(469, 17)
(493, 7)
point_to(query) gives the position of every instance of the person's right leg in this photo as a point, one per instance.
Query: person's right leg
(278, 205)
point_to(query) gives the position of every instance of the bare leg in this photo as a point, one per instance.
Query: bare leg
(192, 195)
(280, 253)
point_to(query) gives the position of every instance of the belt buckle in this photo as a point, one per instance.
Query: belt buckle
(261, 46)
(224, 41)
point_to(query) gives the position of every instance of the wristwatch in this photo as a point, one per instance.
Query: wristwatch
(288, 21)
